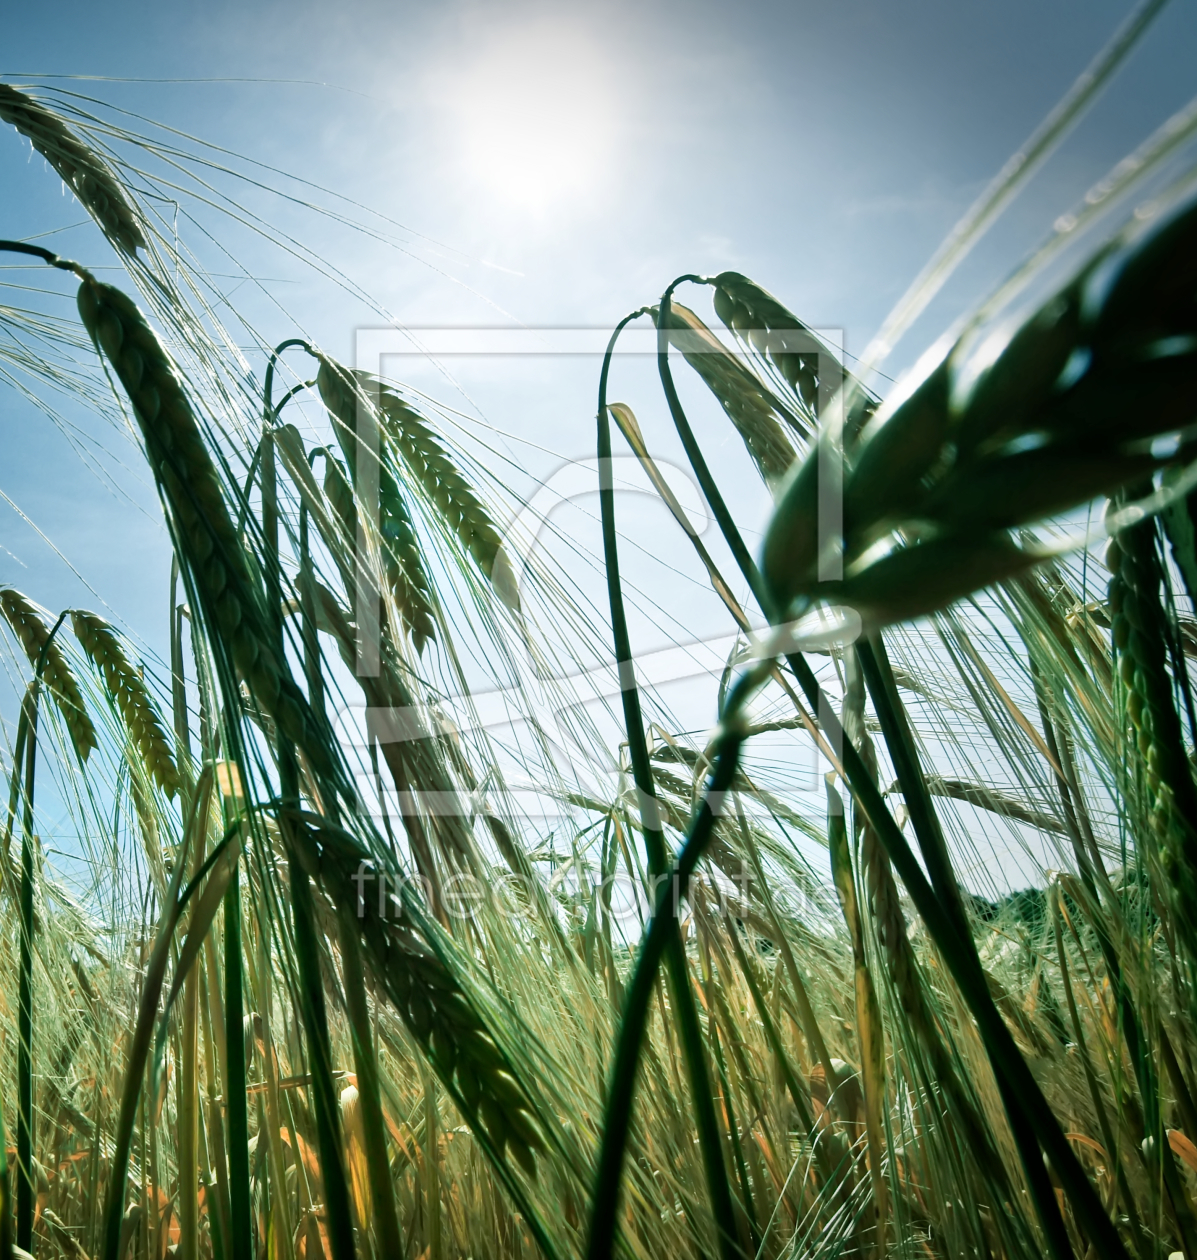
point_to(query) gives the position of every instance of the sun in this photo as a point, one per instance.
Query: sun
(532, 117)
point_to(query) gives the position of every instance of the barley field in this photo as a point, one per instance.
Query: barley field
(276, 986)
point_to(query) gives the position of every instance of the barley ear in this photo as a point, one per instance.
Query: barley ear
(82, 169)
(435, 1009)
(346, 398)
(205, 536)
(25, 620)
(450, 493)
(1136, 627)
(128, 691)
(759, 417)
(915, 581)
(758, 317)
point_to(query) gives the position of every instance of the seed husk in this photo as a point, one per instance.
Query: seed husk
(1008, 396)
(917, 580)
(1123, 400)
(902, 442)
(1008, 490)
(791, 543)
(1154, 294)
(756, 413)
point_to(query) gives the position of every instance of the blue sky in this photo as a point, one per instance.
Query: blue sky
(559, 164)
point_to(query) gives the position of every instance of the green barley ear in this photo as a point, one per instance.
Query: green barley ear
(25, 620)
(1138, 633)
(131, 696)
(1086, 375)
(750, 311)
(339, 494)
(1026, 366)
(915, 581)
(82, 169)
(205, 535)
(434, 1007)
(406, 576)
(791, 546)
(405, 573)
(1151, 299)
(900, 445)
(452, 495)
(759, 417)
(1033, 485)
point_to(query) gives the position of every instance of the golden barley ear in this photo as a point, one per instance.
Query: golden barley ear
(82, 169)
(129, 693)
(25, 621)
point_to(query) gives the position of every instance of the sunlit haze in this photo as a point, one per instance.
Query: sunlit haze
(530, 118)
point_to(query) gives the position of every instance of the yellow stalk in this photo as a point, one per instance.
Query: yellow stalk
(283, 1233)
(868, 1012)
(432, 1187)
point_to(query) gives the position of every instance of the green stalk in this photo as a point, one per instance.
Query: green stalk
(188, 1120)
(432, 1172)
(869, 1037)
(806, 1015)
(188, 1124)
(25, 982)
(14, 791)
(1107, 1134)
(653, 945)
(900, 744)
(1020, 1087)
(178, 679)
(364, 1053)
(236, 1100)
(139, 1046)
(219, 1145)
(733, 1129)
(386, 1219)
(311, 643)
(311, 980)
(694, 453)
(685, 1009)
(324, 1094)
(25, 988)
(279, 1205)
(6, 1249)
(801, 1105)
